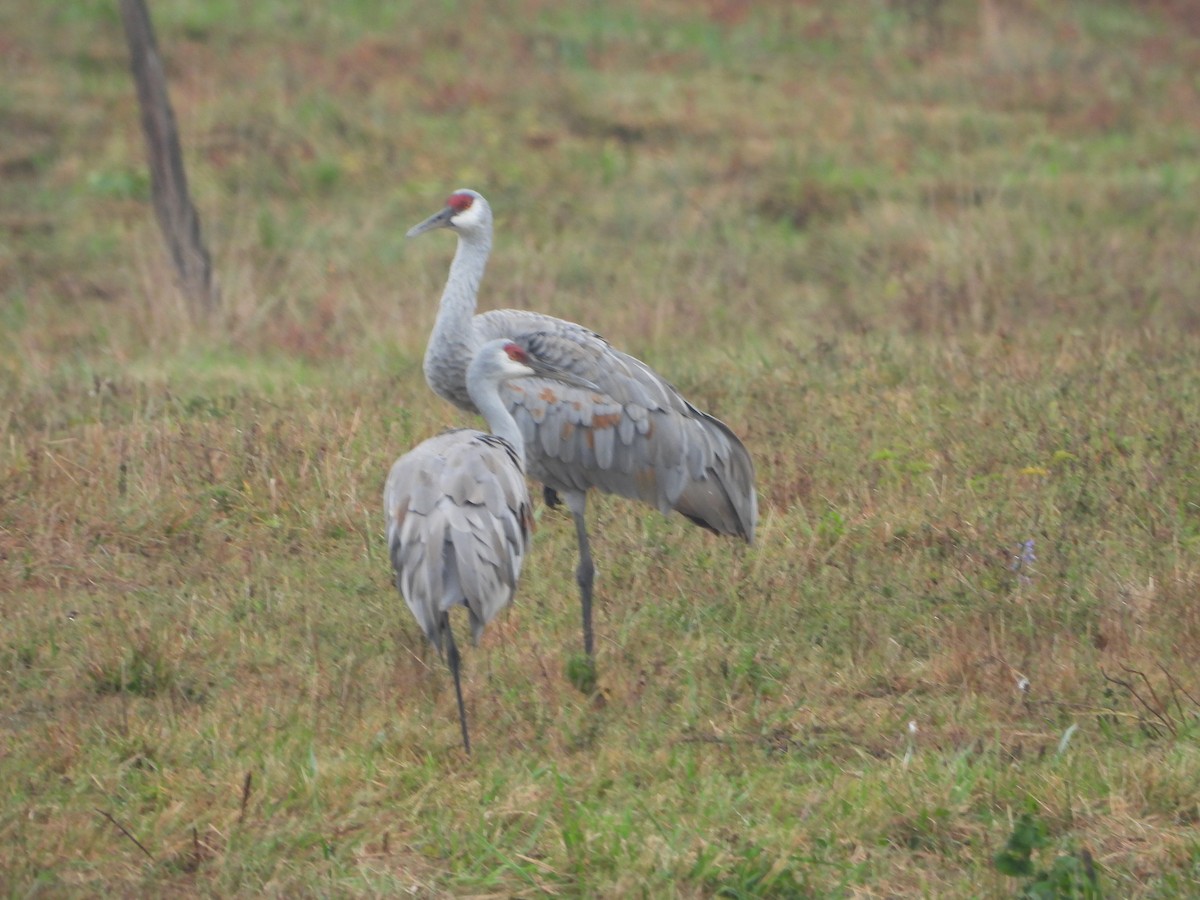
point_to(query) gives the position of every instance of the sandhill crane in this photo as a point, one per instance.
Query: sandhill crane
(636, 436)
(458, 512)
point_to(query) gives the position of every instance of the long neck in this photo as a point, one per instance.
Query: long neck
(452, 342)
(486, 397)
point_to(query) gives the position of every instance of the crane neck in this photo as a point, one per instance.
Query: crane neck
(452, 341)
(466, 273)
(486, 397)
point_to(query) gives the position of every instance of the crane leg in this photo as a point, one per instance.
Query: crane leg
(453, 660)
(585, 573)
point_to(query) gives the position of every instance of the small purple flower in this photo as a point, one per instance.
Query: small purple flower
(1027, 557)
(1024, 561)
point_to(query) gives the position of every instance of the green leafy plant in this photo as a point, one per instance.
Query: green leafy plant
(1068, 876)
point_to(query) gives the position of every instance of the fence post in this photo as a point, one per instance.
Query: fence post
(177, 217)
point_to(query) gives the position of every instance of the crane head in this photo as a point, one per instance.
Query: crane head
(498, 361)
(516, 353)
(503, 359)
(466, 211)
(540, 366)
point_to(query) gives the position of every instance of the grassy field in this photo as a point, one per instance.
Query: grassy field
(937, 261)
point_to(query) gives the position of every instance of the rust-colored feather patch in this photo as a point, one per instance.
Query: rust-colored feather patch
(401, 512)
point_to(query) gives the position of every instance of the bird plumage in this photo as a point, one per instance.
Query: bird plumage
(635, 435)
(458, 510)
(459, 524)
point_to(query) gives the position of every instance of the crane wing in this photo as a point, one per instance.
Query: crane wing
(459, 524)
(637, 436)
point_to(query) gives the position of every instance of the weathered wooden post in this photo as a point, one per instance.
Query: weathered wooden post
(177, 217)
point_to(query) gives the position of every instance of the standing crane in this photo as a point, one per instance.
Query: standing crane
(458, 511)
(635, 436)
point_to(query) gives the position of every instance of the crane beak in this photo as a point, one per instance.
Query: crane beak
(549, 370)
(437, 220)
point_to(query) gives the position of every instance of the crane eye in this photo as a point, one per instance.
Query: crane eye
(516, 354)
(460, 202)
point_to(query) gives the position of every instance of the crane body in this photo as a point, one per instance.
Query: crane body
(631, 434)
(458, 511)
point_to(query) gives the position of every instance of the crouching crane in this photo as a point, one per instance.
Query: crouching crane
(635, 435)
(458, 512)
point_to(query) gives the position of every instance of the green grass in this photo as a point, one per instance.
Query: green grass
(935, 261)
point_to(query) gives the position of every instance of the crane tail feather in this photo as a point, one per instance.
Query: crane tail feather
(722, 499)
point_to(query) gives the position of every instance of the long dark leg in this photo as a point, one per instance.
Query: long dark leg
(586, 572)
(452, 659)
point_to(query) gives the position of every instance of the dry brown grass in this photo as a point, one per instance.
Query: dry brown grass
(933, 260)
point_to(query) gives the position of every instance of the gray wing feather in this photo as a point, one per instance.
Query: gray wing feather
(638, 437)
(458, 520)
(550, 435)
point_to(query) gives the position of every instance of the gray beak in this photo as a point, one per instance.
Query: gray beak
(437, 220)
(549, 370)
